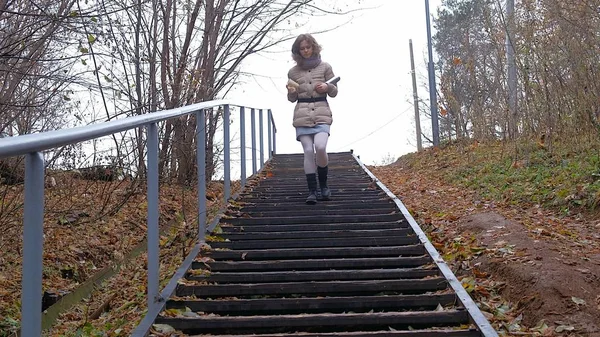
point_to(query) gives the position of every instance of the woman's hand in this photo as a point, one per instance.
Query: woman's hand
(322, 88)
(290, 89)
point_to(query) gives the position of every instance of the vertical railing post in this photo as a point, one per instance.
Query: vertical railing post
(33, 243)
(261, 136)
(269, 133)
(153, 234)
(201, 164)
(243, 146)
(226, 157)
(274, 133)
(274, 139)
(253, 132)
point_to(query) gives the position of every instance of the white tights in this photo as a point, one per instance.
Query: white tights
(310, 144)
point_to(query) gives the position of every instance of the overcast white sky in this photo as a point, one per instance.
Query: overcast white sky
(373, 112)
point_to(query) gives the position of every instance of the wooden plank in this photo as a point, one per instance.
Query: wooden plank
(293, 200)
(316, 275)
(298, 193)
(300, 182)
(279, 212)
(228, 228)
(323, 205)
(317, 234)
(242, 203)
(295, 173)
(356, 187)
(343, 321)
(411, 333)
(341, 192)
(314, 288)
(314, 305)
(316, 264)
(319, 242)
(315, 219)
(347, 188)
(294, 186)
(320, 253)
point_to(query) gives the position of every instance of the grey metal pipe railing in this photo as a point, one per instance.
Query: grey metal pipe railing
(261, 137)
(243, 146)
(201, 163)
(33, 240)
(153, 231)
(274, 132)
(253, 130)
(226, 154)
(33, 145)
(269, 126)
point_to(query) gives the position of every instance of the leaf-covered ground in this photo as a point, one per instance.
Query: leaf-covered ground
(90, 226)
(519, 230)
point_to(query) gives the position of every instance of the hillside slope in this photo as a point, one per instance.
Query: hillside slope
(520, 233)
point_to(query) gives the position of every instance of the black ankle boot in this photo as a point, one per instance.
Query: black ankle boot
(325, 192)
(311, 179)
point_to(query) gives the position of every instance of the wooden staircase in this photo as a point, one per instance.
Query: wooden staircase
(351, 266)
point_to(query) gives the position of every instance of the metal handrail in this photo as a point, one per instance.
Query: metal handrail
(32, 145)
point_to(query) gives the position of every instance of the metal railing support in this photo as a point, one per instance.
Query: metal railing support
(243, 146)
(201, 164)
(253, 128)
(33, 243)
(274, 133)
(269, 133)
(153, 234)
(261, 136)
(226, 154)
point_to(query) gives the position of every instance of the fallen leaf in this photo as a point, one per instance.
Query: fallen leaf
(541, 327)
(578, 301)
(563, 328)
(163, 328)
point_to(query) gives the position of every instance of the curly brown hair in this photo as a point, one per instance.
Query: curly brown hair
(296, 47)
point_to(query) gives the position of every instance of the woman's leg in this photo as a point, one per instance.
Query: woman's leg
(322, 163)
(309, 153)
(310, 167)
(320, 141)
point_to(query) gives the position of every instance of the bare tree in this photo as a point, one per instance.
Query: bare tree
(34, 73)
(187, 53)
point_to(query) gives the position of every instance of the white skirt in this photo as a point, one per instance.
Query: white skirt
(302, 131)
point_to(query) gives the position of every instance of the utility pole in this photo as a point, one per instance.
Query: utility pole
(512, 68)
(435, 129)
(415, 96)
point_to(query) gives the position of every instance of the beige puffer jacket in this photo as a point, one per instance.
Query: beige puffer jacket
(311, 114)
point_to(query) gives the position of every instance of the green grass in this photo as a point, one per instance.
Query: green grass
(564, 179)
